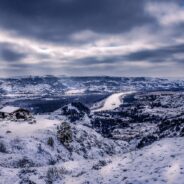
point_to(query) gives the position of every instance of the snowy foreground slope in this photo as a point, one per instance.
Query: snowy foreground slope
(26, 154)
(27, 157)
(162, 162)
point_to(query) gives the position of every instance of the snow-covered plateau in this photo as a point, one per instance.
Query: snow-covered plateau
(91, 130)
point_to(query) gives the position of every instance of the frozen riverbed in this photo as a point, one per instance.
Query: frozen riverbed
(112, 102)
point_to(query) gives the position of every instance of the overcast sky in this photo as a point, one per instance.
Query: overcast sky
(92, 37)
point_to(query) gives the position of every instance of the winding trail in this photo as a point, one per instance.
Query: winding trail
(112, 102)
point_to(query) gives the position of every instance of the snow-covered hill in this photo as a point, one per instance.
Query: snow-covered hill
(37, 147)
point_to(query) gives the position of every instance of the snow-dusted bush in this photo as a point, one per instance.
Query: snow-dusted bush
(100, 164)
(2, 148)
(54, 174)
(64, 133)
(24, 163)
(27, 181)
(145, 141)
(50, 141)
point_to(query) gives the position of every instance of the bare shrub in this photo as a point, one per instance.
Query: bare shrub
(50, 142)
(2, 148)
(64, 133)
(54, 174)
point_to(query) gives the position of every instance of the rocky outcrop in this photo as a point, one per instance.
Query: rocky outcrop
(145, 141)
(105, 126)
(74, 111)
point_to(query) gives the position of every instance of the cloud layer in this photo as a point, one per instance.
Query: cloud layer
(99, 37)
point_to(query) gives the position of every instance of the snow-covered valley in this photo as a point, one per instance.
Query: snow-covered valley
(92, 133)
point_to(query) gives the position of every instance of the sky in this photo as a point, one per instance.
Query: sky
(92, 37)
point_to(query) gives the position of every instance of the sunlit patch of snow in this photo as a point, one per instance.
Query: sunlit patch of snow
(173, 172)
(12, 95)
(74, 91)
(71, 165)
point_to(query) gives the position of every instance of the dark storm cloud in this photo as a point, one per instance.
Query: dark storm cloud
(96, 60)
(159, 54)
(155, 55)
(55, 20)
(87, 29)
(8, 53)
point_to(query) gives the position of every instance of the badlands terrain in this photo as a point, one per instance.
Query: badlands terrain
(88, 130)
